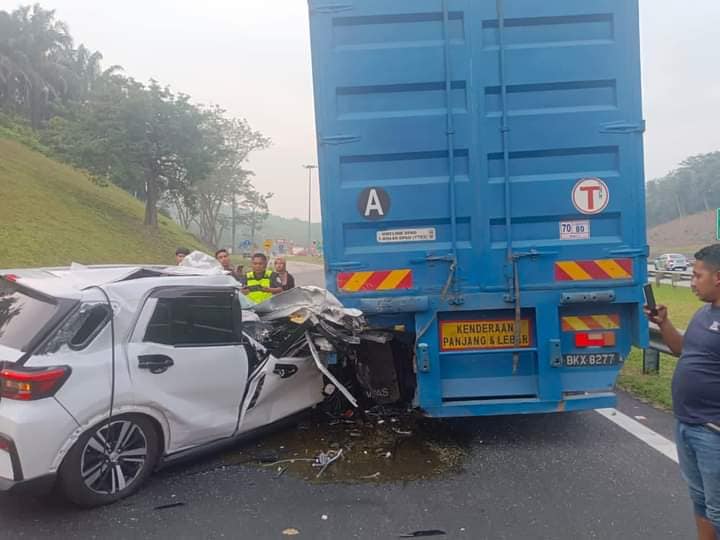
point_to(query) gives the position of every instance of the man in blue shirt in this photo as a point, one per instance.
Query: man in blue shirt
(696, 392)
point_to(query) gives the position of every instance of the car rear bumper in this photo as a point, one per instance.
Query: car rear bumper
(35, 486)
(33, 434)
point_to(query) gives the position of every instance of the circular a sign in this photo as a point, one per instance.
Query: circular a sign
(590, 196)
(374, 203)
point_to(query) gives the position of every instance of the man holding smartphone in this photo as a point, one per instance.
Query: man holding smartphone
(696, 391)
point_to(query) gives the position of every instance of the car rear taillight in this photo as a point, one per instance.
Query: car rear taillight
(26, 384)
(4, 444)
(10, 277)
(595, 339)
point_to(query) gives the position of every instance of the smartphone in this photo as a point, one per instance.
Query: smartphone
(650, 299)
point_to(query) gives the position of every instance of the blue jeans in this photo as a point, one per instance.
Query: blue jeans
(699, 456)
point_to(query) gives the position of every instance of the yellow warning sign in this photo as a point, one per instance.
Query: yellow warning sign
(483, 334)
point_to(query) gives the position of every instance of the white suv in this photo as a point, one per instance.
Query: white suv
(672, 262)
(110, 372)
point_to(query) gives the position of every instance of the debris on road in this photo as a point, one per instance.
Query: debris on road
(411, 448)
(325, 459)
(290, 532)
(420, 534)
(170, 505)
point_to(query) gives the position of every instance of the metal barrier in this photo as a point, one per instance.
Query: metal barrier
(674, 277)
(651, 355)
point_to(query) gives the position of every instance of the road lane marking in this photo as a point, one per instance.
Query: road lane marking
(644, 433)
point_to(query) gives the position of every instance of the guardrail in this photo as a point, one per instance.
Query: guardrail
(674, 277)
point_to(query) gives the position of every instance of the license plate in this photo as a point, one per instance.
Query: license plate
(591, 360)
(483, 334)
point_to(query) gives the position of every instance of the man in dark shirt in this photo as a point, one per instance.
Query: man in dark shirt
(223, 257)
(260, 284)
(696, 392)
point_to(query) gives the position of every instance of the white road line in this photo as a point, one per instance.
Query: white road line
(645, 434)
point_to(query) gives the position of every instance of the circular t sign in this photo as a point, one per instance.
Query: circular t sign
(374, 203)
(590, 196)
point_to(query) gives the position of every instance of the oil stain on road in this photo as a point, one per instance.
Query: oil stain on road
(384, 446)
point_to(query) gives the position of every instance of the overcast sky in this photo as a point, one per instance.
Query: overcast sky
(252, 57)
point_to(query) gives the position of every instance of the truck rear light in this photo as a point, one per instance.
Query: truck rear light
(25, 384)
(595, 339)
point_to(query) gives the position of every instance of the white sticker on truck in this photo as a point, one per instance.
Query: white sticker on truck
(406, 235)
(575, 230)
(590, 196)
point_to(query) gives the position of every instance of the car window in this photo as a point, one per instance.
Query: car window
(79, 329)
(196, 320)
(22, 315)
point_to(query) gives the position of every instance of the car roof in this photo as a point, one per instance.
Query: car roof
(127, 280)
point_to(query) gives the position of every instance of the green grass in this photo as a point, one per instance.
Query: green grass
(681, 302)
(52, 214)
(655, 389)
(14, 128)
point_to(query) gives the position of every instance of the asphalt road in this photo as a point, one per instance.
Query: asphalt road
(565, 476)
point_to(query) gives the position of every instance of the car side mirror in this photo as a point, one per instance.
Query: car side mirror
(237, 315)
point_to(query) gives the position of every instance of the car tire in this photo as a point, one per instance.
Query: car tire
(91, 475)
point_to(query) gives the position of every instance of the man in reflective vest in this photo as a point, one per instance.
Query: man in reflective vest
(261, 283)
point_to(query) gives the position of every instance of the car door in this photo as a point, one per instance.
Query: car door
(186, 360)
(282, 387)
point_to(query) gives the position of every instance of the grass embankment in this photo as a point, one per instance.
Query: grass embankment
(655, 389)
(52, 214)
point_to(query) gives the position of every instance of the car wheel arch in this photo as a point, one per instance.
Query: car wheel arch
(158, 420)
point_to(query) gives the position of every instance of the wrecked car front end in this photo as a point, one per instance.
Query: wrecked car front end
(357, 361)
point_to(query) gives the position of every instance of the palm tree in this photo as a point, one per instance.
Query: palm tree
(34, 47)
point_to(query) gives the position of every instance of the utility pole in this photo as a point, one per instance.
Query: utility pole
(309, 234)
(234, 222)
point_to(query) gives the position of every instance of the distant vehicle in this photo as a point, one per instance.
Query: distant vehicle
(108, 373)
(672, 262)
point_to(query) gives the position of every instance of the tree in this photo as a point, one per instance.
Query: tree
(146, 139)
(229, 143)
(33, 47)
(254, 211)
(693, 187)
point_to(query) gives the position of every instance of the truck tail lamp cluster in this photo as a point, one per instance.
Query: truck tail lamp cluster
(584, 340)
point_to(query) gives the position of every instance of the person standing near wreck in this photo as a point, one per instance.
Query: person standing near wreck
(287, 281)
(223, 257)
(180, 254)
(696, 391)
(260, 284)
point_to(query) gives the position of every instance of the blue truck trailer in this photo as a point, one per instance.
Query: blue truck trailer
(482, 187)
